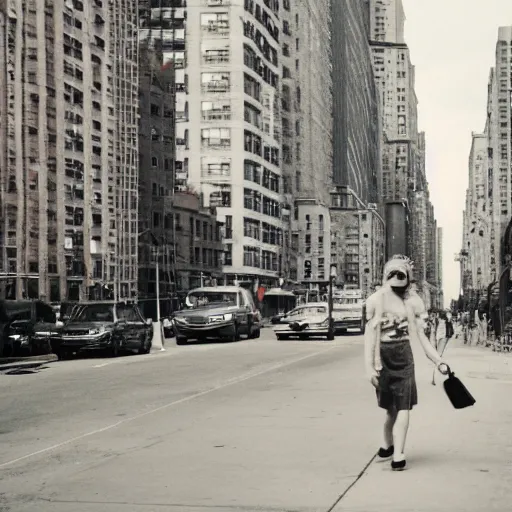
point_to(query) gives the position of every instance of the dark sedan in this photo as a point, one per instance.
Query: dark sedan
(104, 326)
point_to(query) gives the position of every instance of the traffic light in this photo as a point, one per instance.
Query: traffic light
(307, 269)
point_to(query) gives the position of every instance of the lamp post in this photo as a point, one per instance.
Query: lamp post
(332, 277)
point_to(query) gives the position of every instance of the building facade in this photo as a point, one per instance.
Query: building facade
(199, 247)
(476, 234)
(69, 158)
(156, 175)
(312, 242)
(357, 241)
(356, 120)
(439, 267)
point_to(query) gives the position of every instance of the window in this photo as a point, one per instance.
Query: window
(216, 56)
(215, 82)
(216, 110)
(220, 167)
(251, 256)
(228, 254)
(154, 161)
(216, 137)
(252, 87)
(215, 23)
(252, 115)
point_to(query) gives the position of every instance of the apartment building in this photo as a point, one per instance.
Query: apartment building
(476, 235)
(199, 246)
(309, 155)
(357, 241)
(228, 70)
(69, 158)
(156, 174)
(387, 21)
(439, 267)
(500, 135)
(311, 34)
(357, 127)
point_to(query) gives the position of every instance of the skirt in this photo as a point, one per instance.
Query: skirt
(397, 382)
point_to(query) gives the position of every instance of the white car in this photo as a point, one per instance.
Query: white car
(305, 321)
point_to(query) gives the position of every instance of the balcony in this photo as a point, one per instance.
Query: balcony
(216, 115)
(216, 56)
(217, 86)
(216, 29)
(181, 116)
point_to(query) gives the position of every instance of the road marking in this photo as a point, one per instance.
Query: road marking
(231, 382)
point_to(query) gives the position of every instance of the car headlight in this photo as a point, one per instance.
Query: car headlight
(20, 338)
(99, 330)
(221, 318)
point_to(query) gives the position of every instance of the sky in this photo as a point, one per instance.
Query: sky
(452, 44)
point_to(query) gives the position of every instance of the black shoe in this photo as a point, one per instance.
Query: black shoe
(385, 453)
(398, 466)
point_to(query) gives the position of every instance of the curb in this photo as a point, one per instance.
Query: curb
(11, 363)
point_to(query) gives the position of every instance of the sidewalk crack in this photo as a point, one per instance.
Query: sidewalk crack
(346, 491)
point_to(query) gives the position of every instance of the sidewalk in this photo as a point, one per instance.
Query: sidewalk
(458, 460)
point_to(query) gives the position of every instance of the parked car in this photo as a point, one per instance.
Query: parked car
(221, 312)
(107, 326)
(26, 327)
(305, 321)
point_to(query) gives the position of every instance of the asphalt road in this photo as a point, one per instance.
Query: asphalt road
(258, 425)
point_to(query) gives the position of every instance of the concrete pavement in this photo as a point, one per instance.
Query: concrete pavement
(253, 426)
(457, 460)
(258, 425)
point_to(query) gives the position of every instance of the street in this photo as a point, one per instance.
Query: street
(258, 425)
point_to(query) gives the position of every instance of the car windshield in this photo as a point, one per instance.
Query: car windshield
(203, 298)
(94, 313)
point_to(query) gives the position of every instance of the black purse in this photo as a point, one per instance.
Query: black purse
(457, 393)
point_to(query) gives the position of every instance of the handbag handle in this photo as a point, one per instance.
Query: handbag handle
(448, 370)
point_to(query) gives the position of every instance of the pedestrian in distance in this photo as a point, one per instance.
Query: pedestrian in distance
(396, 316)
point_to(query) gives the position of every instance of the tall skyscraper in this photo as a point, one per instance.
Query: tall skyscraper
(156, 175)
(404, 180)
(500, 134)
(357, 130)
(228, 118)
(477, 232)
(439, 266)
(387, 20)
(69, 158)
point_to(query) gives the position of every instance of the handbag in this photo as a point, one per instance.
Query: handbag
(457, 393)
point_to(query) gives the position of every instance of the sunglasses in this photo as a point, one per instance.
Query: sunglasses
(398, 274)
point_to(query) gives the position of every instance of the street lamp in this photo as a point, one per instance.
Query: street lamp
(332, 277)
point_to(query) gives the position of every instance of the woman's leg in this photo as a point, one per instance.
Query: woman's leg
(388, 428)
(400, 428)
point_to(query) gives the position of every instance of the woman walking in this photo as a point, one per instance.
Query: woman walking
(396, 315)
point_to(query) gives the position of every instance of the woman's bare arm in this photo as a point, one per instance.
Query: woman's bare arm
(370, 337)
(421, 314)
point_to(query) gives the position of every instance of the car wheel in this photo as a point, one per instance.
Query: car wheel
(256, 334)
(330, 336)
(62, 355)
(114, 349)
(181, 340)
(145, 346)
(282, 336)
(236, 333)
